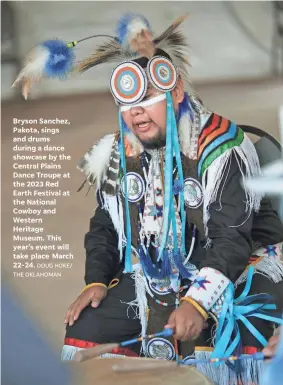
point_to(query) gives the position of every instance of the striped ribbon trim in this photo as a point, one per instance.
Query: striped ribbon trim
(217, 136)
(82, 344)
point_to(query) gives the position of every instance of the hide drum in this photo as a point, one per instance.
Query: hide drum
(99, 371)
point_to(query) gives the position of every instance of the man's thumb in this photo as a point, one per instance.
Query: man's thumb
(171, 323)
(95, 302)
(96, 299)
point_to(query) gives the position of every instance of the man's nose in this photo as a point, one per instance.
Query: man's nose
(136, 110)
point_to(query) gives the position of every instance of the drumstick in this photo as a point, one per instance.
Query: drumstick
(97, 351)
(86, 354)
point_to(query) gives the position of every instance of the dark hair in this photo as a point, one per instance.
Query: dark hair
(142, 61)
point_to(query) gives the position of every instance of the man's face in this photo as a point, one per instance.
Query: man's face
(148, 123)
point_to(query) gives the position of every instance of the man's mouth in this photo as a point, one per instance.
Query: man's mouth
(144, 126)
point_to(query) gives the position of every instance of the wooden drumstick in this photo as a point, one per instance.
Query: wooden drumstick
(144, 365)
(97, 351)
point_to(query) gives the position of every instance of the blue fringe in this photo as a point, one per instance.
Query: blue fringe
(177, 256)
(61, 58)
(166, 268)
(151, 269)
(122, 26)
(147, 264)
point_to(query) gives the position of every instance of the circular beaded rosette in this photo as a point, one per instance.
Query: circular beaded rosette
(162, 73)
(128, 83)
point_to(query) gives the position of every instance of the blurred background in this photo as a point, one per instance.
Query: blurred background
(236, 53)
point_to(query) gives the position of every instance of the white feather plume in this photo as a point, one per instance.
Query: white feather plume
(129, 27)
(34, 65)
(134, 28)
(94, 163)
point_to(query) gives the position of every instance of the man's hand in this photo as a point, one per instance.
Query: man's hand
(186, 321)
(94, 294)
(270, 349)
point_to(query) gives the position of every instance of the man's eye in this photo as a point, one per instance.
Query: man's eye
(147, 97)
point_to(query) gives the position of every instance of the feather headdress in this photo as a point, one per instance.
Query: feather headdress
(134, 38)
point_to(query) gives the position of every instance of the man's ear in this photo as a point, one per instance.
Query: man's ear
(178, 93)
